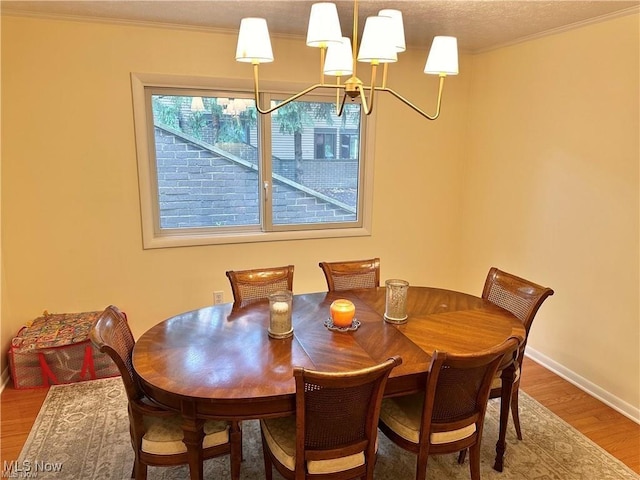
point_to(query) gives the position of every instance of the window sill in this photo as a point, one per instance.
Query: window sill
(168, 240)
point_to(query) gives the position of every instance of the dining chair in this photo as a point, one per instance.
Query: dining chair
(156, 433)
(448, 416)
(351, 274)
(523, 299)
(251, 285)
(333, 434)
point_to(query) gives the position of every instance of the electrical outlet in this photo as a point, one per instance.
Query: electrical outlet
(218, 297)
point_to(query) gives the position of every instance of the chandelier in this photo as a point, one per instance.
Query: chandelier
(382, 40)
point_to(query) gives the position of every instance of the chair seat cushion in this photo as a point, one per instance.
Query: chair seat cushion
(164, 435)
(280, 436)
(403, 415)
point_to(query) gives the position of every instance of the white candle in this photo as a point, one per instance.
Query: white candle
(280, 307)
(280, 318)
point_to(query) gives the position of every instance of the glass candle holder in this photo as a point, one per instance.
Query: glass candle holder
(280, 325)
(342, 313)
(396, 301)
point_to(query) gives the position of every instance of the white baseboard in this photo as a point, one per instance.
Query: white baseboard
(619, 405)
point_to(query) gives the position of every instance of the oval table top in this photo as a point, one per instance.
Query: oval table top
(219, 361)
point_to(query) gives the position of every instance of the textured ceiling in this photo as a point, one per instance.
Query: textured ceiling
(479, 25)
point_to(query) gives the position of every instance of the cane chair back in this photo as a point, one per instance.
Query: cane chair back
(111, 334)
(252, 285)
(352, 274)
(334, 431)
(156, 433)
(448, 416)
(523, 299)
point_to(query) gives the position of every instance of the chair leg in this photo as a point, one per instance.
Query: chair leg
(268, 469)
(507, 376)
(235, 437)
(515, 412)
(421, 466)
(139, 470)
(461, 456)
(474, 460)
(241, 450)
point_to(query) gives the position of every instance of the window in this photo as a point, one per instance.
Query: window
(349, 145)
(213, 170)
(325, 145)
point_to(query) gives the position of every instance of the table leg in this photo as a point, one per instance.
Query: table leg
(507, 376)
(193, 429)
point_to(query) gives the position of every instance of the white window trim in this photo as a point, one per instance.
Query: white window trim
(152, 238)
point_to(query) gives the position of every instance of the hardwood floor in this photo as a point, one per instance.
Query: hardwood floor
(18, 411)
(612, 431)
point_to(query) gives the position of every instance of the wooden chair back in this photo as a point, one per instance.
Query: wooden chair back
(112, 335)
(251, 285)
(522, 298)
(351, 274)
(457, 393)
(458, 386)
(337, 414)
(454, 405)
(517, 295)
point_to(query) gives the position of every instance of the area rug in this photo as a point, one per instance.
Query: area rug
(82, 432)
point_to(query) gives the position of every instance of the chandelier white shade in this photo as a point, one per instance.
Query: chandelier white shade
(324, 25)
(443, 56)
(376, 47)
(382, 40)
(254, 43)
(339, 61)
(396, 32)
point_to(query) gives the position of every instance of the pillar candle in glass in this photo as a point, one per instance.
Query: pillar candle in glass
(342, 313)
(280, 325)
(396, 301)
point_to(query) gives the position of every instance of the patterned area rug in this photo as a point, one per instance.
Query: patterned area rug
(82, 432)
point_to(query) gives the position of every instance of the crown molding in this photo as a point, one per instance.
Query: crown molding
(564, 28)
(133, 23)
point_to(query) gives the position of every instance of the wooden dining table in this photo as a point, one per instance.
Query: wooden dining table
(219, 362)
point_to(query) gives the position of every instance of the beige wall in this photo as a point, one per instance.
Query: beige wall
(533, 167)
(552, 192)
(70, 207)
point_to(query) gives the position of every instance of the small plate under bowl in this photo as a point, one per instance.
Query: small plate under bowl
(355, 323)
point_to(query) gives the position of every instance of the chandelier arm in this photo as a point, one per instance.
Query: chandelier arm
(256, 92)
(363, 100)
(372, 88)
(340, 109)
(417, 109)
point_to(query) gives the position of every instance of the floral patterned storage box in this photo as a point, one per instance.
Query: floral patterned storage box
(56, 349)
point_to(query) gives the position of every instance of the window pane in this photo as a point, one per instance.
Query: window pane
(310, 183)
(206, 161)
(348, 145)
